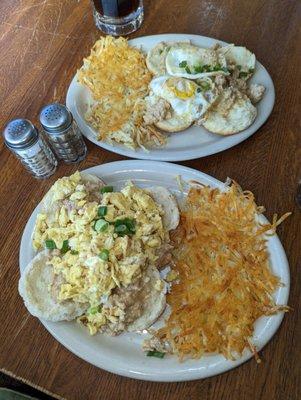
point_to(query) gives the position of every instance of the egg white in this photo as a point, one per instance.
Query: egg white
(190, 108)
(193, 57)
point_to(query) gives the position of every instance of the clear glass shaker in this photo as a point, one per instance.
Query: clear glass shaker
(63, 133)
(25, 141)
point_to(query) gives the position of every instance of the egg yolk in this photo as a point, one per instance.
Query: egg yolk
(183, 89)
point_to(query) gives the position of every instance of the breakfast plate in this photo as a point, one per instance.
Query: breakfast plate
(122, 354)
(191, 143)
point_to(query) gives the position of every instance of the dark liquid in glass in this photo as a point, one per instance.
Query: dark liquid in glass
(116, 8)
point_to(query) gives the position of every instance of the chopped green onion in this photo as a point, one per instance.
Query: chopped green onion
(106, 189)
(121, 230)
(198, 69)
(125, 226)
(251, 70)
(65, 247)
(50, 244)
(199, 90)
(155, 353)
(94, 310)
(74, 252)
(205, 86)
(224, 69)
(102, 211)
(217, 67)
(187, 69)
(243, 74)
(104, 254)
(183, 64)
(206, 68)
(101, 225)
(239, 67)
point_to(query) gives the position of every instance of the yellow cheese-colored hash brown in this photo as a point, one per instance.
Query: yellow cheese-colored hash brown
(117, 77)
(225, 280)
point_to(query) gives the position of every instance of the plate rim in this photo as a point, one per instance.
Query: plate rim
(214, 148)
(157, 376)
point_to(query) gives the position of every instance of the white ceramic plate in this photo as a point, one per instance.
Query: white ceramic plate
(192, 143)
(122, 354)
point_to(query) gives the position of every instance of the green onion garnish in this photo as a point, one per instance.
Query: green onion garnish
(94, 310)
(125, 226)
(74, 252)
(102, 211)
(204, 86)
(50, 244)
(243, 74)
(104, 254)
(217, 67)
(183, 64)
(206, 68)
(251, 70)
(121, 229)
(101, 225)
(224, 69)
(239, 67)
(106, 189)
(155, 353)
(65, 247)
(198, 69)
(187, 69)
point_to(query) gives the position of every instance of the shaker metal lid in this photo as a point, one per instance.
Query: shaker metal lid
(55, 118)
(20, 133)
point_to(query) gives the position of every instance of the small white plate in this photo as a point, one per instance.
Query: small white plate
(192, 143)
(122, 354)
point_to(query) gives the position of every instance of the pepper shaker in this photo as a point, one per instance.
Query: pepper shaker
(24, 140)
(63, 133)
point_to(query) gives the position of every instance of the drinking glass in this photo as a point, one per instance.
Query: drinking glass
(118, 17)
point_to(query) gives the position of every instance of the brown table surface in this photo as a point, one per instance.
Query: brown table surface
(42, 43)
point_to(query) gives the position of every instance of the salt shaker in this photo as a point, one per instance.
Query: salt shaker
(25, 141)
(63, 133)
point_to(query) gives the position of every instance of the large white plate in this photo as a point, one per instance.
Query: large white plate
(192, 143)
(122, 355)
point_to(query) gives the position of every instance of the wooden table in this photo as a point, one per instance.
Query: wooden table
(42, 43)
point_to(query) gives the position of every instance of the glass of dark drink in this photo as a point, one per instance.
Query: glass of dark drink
(118, 17)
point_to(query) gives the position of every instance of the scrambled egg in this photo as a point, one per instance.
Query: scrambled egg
(92, 257)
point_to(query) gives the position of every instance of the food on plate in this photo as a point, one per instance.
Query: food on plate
(155, 59)
(117, 77)
(161, 195)
(39, 287)
(98, 254)
(116, 260)
(151, 298)
(239, 58)
(192, 62)
(223, 278)
(231, 111)
(137, 99)
(201, 86)
(181, 98)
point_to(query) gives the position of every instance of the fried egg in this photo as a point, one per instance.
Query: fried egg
(188, 61)
(185, 97)
(241, 57)
(155, 59)
(230, 114)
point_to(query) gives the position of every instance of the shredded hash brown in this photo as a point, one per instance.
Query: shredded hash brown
(117, 76)
(225, 281)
